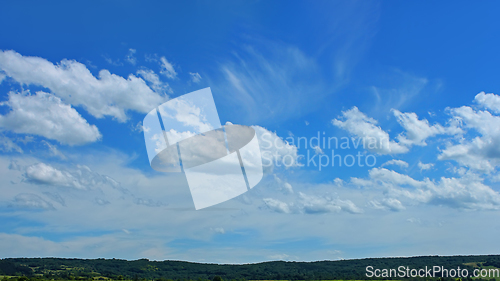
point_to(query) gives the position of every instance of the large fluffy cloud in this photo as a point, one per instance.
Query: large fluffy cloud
(46, 115)
(106, 95)
(481, 152)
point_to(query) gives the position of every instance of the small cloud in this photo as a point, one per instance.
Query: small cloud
(167, 68)
(388, 204)
(195, 77)
(7, 145)
(101, 202)
(277, 206)
(219, 230)
(284, 185)
(396, 162)
(414, 220)
(55, 197)
(112, 62)
(130, 58)
(154, 81)
(148, 202)
(318, 150)
(280, 257)
(307, 123)
(424, 167)
(54, 151)
(139, 128)
(31, 201)
(26, 139)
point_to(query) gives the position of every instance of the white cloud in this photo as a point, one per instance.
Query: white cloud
(26, 139)
(417, 131)
(466, 192)
(31, 201)
(107, 95)
(277, 206)
(7, 145)
(275, 151)
(82, 177)
(373, 137)
(219, 230)
(490, 101)
(312, 204)
(111, 61)
(195, 77)
(167, 68)
(276, 84)
(320, 204)
(148, 202)
(154, 81)
(130, 58)
(53, 150)
(396, 162)
(318, 150)
(424, 167)
(283, 185)
(46, 115)
(388, 203)
(481, 153)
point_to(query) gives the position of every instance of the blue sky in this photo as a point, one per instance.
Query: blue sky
(78, 78)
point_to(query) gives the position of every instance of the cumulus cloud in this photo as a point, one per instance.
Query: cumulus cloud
(481, 153)
(417, 131)
(312, 204)
(277, 205)
(388, 204)
(396, 162)
(46, 115)
(490, 101)
(373, 137)
(106, 95)
(424, 167)
(323, 204)
(82, 177)
(466, 192)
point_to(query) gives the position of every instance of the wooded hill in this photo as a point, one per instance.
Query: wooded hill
(102, 269)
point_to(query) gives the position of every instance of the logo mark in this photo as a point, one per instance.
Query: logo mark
(185, 135)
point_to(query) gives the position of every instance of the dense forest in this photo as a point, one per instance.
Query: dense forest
(23, 269)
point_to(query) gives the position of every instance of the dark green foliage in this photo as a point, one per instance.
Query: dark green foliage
(143, 269)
